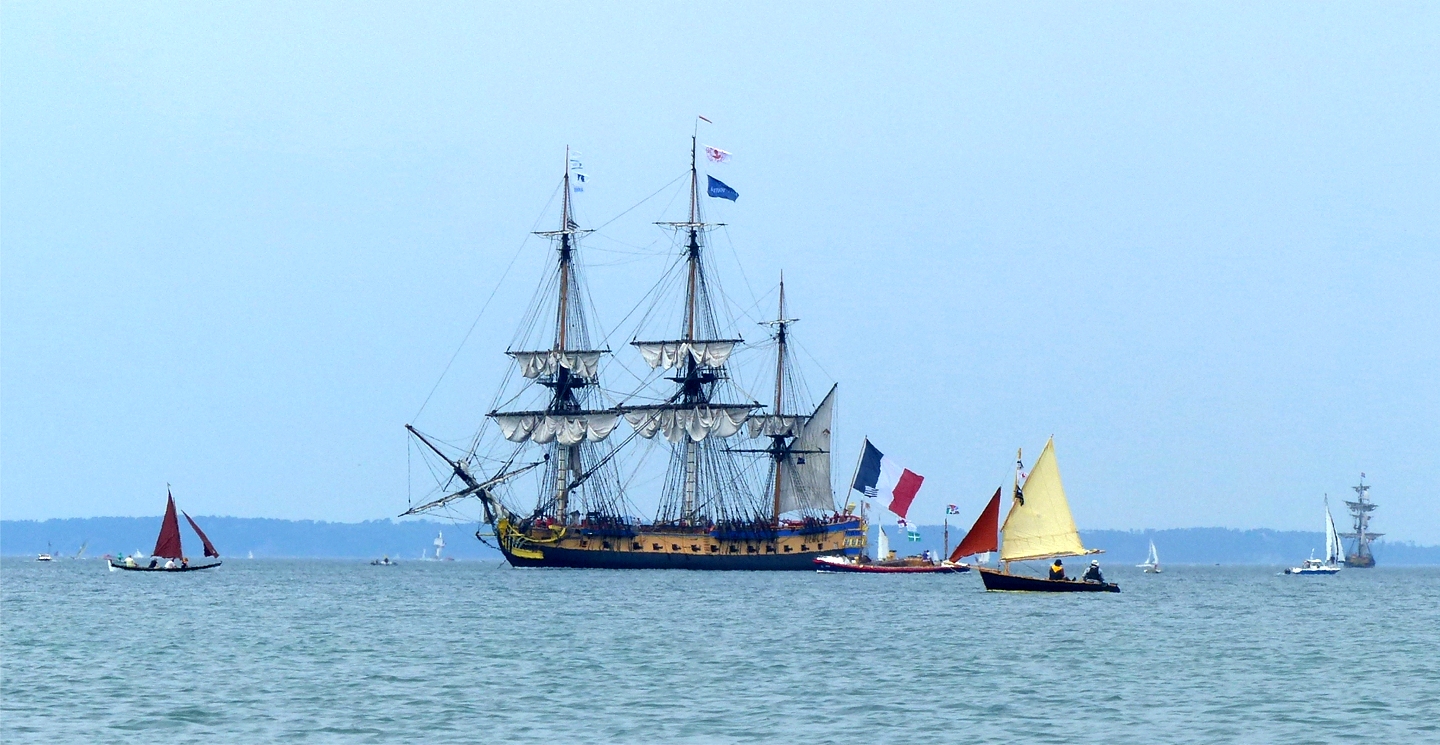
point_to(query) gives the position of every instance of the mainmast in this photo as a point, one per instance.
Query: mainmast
(781, 325)
(564, 399)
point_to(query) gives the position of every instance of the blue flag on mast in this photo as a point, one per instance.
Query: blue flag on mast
(719, 189)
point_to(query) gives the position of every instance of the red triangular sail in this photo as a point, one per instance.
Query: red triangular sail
(209, 547)
(167, 546)
(984, 535)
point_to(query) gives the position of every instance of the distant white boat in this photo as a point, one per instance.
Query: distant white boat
(1334, 552)
(1152, 561)
(249, 554)
(49, 554)
(439, 544)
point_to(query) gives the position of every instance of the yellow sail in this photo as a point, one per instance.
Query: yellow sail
(1039, 525)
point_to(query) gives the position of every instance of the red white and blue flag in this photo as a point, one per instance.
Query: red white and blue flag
(881, 477)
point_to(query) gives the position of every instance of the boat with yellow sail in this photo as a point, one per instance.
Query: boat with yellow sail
(1038, 527)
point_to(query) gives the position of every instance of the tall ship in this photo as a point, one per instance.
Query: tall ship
(558, 464)
(1360, 510)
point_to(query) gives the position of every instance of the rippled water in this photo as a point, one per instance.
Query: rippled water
(316, 651)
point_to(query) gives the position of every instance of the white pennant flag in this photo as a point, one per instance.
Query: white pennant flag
(716, 155)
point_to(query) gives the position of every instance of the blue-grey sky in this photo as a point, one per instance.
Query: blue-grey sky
(1196, 242)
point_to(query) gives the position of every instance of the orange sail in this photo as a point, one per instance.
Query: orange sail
(167, 546)
(984, 535)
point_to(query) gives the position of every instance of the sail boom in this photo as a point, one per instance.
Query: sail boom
(1058, 555)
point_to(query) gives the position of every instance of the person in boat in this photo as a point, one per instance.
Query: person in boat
(154, 563)
(1057, 570)
(169, 563)
(184, 562)
(129, 561)
(1093, 574)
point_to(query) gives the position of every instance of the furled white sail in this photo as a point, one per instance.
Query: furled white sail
(668, 354)
(698, 423)
(1039, 524)
(585, 363)
(805, 474)
(771, 424)
(561, 428)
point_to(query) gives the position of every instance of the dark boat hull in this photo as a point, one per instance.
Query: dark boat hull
(1002, 582)
(591, 559)
(139, 568)
(1359, 562)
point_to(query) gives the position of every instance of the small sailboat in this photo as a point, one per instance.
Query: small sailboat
(1152, 561)
(167, 547)
(439, 544)
(1039, 526)
(49, 554)
(1334, 552)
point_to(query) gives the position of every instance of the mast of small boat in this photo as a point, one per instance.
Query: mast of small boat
(1014, 497)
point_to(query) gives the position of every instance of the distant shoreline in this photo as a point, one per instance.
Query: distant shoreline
(238, 537)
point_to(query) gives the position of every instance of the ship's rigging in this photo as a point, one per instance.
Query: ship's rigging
(733, 468)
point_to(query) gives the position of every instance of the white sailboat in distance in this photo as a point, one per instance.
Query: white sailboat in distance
(1152, 561)
(1334, 552)
(439, 544)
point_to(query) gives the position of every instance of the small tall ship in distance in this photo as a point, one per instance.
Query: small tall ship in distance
(1360, 510)
(167, 547)
(745, 485)
(1039, 526)
(1333, 551)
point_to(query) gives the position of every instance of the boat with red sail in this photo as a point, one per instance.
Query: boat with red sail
(168, 548)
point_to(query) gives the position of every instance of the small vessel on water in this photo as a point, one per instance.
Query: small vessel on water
(1039, 526)
(384, 562)
(1333, 551)
(1152, 561)
(49, 554)
(439, 544)
(1360, 510)
(167, 546)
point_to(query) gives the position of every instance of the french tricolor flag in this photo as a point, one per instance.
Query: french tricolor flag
(879, 476)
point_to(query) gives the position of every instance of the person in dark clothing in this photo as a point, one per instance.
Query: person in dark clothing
(1093, 574)
(1057, 570)
(153, 563)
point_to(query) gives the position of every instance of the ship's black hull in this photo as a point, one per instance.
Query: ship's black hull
(588, 559)
(1002, 582)
(1359, 562)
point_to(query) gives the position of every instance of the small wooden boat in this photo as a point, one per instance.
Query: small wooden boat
(1039, 526)
(167, 547)
(910, 565)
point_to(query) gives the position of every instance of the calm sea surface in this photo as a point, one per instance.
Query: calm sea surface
(330, 651)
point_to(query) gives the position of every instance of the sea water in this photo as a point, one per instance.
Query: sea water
(434, 652)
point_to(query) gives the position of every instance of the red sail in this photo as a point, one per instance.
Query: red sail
(209, 547)
(984, 535)
(167, 546)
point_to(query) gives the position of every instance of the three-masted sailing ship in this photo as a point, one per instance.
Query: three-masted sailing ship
(1039, 526)
(747, 486)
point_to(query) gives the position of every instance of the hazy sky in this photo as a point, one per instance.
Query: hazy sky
(1200, 244)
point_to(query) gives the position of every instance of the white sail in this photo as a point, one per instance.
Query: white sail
(771, 424)
(805, 474)
(561, 428)
(882, 547)
(668, 354)
(1039, 525)
(585, 363)
(699, 423)
(1334, 553)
